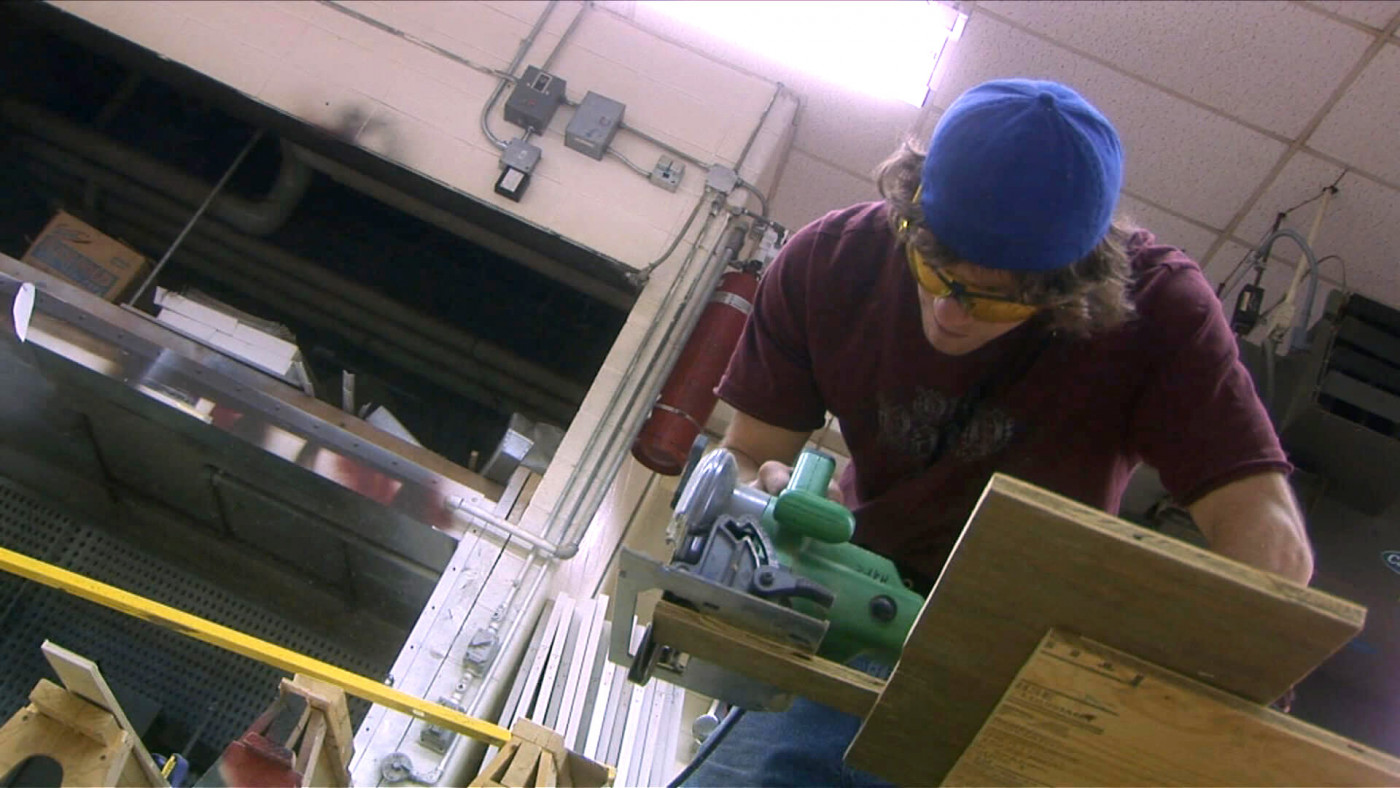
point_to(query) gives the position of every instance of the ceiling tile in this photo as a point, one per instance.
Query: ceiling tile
(1362, 224)
(810, 188)
(1272, 64)
(1364, 128)
(1181, 156)
(825, 128)
(1372, 13)
(1194, 239)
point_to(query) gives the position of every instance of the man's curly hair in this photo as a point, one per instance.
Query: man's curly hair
(1086, 297)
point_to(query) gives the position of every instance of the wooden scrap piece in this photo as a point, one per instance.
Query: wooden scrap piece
(86, 741)
(784, 666)
(1080, 713)
(535, 757)
(1030, 560)
(82, 677)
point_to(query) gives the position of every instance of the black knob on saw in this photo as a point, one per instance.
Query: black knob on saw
(883, 608)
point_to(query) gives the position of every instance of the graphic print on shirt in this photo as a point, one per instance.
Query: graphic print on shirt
(912, 428)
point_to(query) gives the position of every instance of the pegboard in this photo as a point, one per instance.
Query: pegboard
(182, 675)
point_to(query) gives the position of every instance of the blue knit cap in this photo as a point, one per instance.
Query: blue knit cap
(1021, 175)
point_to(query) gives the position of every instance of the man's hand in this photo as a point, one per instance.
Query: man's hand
(764, 452)
(773, 478)
(1255, 520)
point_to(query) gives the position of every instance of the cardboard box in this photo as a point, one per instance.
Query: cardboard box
(79, 253)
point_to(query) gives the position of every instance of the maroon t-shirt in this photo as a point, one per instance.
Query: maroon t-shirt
(836, 327)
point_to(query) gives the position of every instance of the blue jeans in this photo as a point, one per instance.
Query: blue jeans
(801, 746)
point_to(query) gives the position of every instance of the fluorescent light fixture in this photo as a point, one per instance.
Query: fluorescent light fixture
(889, 49)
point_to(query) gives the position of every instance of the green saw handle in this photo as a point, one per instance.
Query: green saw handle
(803, 508)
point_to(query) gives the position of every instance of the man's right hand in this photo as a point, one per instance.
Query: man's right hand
(773, 478)
(755, 445)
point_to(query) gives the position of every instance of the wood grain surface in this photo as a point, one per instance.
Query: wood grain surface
(1080, 713)
(783, 666)
(1030, 560)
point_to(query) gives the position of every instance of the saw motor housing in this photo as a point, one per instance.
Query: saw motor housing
(781, 566)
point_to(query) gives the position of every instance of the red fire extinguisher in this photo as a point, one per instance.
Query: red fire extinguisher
(688, 398)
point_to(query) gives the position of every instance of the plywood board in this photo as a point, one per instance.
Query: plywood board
(88, 743)
(81, 677)
(1080, 713)
(1030, 560)
(780, 664)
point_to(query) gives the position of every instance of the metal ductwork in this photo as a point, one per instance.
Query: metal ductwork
(254, 217)
(458, 361)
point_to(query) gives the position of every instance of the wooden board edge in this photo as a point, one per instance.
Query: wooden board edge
(1334, 742)
(1343, 610)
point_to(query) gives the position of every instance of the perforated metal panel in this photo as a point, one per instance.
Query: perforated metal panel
(182, 675)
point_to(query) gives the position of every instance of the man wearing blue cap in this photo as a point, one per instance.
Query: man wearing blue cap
(990, 315)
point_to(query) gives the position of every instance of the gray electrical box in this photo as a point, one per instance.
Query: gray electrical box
(721, 179)
(534, 100)
(667, 173)
(594, 123)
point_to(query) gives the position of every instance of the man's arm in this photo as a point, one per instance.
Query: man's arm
(763, 451)
(1256, 521)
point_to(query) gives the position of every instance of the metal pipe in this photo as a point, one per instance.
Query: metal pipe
(449, 762)
(1288, 318)
(762, 201)
(119, 98)
(458, 505)
(427, 331)
(463, 750)
(290, 295)
(671, 149)
(558, 520)
(580, 516)
(549, 60)
(412, 39)
(643, 396)
(676, 241)
(762, 119)
(253, 217)
(514, 64)
(204, 206)
(464, 229)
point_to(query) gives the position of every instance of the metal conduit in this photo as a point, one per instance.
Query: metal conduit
(520, 53)
(455, 342)
(462, 228)
(639, 405)
(575, 523)
(300, 299)
(259, 217)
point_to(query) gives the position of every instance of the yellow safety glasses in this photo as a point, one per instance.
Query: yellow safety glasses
(987, 307)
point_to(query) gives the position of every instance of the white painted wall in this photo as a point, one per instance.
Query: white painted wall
(410, 104)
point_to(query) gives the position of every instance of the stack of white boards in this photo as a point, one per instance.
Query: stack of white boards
(566, 683)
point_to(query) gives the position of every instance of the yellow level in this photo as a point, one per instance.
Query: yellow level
(248, 646)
